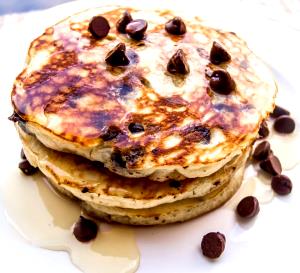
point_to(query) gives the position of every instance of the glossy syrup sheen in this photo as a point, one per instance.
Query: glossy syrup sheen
(47, 220)
(67, 82)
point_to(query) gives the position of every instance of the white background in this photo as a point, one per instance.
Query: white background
(270, 243)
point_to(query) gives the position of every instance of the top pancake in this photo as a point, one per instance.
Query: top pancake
(69, 97)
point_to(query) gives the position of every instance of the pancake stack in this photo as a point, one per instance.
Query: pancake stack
(142, 116)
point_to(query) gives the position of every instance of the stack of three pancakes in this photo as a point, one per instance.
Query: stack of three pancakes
(137, 144)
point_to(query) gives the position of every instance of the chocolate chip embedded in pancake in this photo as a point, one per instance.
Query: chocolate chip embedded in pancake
(69, 96)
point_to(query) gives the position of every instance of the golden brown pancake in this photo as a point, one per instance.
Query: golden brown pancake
(69, 98)
(138, 201)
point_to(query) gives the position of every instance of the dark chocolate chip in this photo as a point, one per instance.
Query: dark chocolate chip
(248, 207)
(218, 54)
(27, 168)
(281, 184)
(284, 124)
(99, 27)
(23, 156)
(263, 130)
(111, 133)
(175, 26)
(174, 184)
(221, 82)
(15, 117)
(133, 154)
(197, 133)
(178, 64)
(123, 22)
(85, 189)
(85, 230)
(271, 165)
(136, 127)
(118, 159)
(136, 29)
(262, 151)
(279, 111)
(213, 244)
(117, 56)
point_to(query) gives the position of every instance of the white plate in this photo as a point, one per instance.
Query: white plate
(267, 244)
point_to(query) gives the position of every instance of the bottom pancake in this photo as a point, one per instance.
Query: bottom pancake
(133, 201)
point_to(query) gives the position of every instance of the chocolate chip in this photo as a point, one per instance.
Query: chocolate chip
(174, 184)
(132, 155)
(123, 22)
(85, 190)
(262, 151)
(281, 184)
(213, 244)
(221, 82)
(99, 27)
(263, 130)
(175, 26)
(284, 124)
(116, 157)
(197, 133)
(218, 54)
(248, 207)
(117, 56)
(23, 156)
(111, 133)
(135, 127)
(27, 168)
(271, 165)
(85, 230)
(136, 29)
(178, 64)
(279, 111)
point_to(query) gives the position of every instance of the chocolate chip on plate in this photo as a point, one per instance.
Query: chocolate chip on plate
(85, 230)
(117, 56)
(281, 184)
(218, 54)
(178, 64)
(124, 21)
(279, 111)
(221, 82)
(110, 133)
(262, 151)
(284, 124)
(175, 26)
(271, 165)
(136, 29)
(27, 168)
(23, 156)
(263, 130)
(99, 27)
(135, 127)
(248, 207)
(213, 244)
